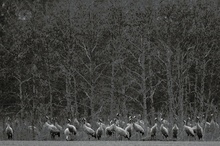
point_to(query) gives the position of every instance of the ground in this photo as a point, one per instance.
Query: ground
(108, 143)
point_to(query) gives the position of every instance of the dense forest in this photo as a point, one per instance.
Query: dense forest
(96, 58)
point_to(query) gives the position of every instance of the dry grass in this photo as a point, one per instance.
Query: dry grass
(107, 143)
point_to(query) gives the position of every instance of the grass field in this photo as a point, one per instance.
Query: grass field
(108, 143)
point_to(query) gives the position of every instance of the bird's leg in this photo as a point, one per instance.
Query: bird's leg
(139, 136)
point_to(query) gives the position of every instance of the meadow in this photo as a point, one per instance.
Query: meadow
(109, 143)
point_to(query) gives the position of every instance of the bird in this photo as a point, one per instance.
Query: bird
(88, 130)
(189, 131)
(9, 131)
(52, 128)
(212, 129)
(70, 130)
(119, 122)
(154, 129)
(76, 123)
(100, 129)
(203, 122)
(175, 129)
(199, 130)
(57, 125)
(163, 129)
(163, 121)
(137, 127)
(188, 121)
(48, 119)
(213, 123)
(120, 131)
(129, 127)
(32, 129)
(109, 130)
(140, 121)
(86, 123)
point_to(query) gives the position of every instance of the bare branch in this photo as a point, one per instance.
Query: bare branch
(85, 64)
(96, 42)
(130, 53)
(131, 82)
(136, 73)
(139, 84)
(83, 46)
(17, 78)
(134, 45)
(99, 65)
(134, 99)
(87, 53)
(87, 94)
(208, 53)
(158, 56)
(100, 74)
(82, 77)
(25, 80)
(134, 89)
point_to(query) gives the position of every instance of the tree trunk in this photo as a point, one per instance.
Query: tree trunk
(33, 107)
(143, 77)
(22, 100)
(196, 85)
(202, 95)
(76, 113)
(92, 103)
(170, 84)
(51, 98)
(92, 88)
(112, 107)
(150, 85)
(180, 84)
(68, 96)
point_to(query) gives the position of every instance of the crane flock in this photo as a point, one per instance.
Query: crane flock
(134, 128)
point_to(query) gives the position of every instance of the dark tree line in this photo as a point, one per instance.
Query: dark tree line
(70, 58)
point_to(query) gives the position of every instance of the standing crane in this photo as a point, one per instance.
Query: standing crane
(137, 128)
(199, 130)
(129, 127)
(120, 131)
(70, 130)
(60, 128)
(119, 122)
(109, 130)
(163, 121)
(88, 130)
(51, 128)
(86, 123)
(76, 123)
(100, 129)
(9, 131)
(212, 129)
(163, 129)
(154, 129)
(189, 131)
(140, 121)
(175, 129)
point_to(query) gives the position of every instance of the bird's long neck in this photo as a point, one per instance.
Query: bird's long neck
(84, 124)
(187, 121)
(8, 125)
(212, 119)
(197, 121)
(47, 124)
